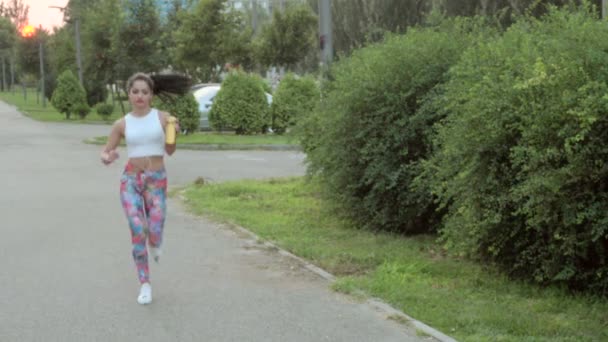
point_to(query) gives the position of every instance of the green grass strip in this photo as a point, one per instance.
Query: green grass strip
(212, 138)
(31, 105)
(460, 298)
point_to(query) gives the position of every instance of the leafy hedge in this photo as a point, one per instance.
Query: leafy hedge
(374, 125)
(497, 141)
(104, 110)
(240, 104)
(293, 99)
(185, 108)
(522, 167)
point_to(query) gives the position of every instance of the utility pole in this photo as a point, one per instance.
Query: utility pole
(3, 73)
(12, 66)
(78, 53)
(42, 77)
(604, 9)
(325, 32)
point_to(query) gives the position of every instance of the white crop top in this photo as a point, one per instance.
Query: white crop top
(144, 135)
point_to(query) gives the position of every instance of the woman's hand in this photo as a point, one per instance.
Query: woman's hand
(108, 157)
(108, 153)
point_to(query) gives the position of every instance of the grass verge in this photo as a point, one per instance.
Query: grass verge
(31, 105)
(458, 297)
(222, 139)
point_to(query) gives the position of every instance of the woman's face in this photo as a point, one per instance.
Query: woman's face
(140, 95)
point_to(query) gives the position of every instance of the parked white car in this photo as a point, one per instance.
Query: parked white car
(205, 96)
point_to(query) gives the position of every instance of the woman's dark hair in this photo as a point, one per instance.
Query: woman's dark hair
(165, 84)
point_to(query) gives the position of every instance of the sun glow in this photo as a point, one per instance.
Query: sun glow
(28, 31)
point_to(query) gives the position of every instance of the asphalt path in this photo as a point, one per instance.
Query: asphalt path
(67, 272)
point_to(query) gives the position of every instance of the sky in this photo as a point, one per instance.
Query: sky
(41, 14)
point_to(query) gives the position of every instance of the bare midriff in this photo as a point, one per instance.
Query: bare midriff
(152, 163)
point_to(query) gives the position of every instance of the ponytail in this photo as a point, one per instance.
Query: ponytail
(171, 83)
(164, 85)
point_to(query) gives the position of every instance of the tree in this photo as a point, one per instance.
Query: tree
(288, 38)
(506, 10)
(29, 53)
(255, 15)
(69, 96)
(359, 22)
(100, 25)
(138, 47)
(210, 36)
(170, 24)
(8, 40)
(235, 40)
(17, 11)
(8, 34)
(60, 54)
(76, 8)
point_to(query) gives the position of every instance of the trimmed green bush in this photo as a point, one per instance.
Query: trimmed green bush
(375, 125)
(82, 110)
(293, 99)
(69, 96)
(185, 108)
(308, 130)
(310, 126)
(521, 166)
(266, 86)
(104, 110)
(241, 105)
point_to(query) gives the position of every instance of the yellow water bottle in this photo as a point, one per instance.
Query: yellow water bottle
(170, 130)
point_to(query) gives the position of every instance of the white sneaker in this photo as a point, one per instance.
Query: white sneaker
(145, 294)
(156, 253)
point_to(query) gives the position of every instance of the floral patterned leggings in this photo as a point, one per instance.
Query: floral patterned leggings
(143, 195)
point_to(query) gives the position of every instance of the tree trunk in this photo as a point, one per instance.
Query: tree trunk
(515, 6)
(3, 73)
(12, 74)
(484, 7)
(122, 106)
(112, 94)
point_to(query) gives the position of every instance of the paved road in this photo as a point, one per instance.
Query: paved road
(67, 273)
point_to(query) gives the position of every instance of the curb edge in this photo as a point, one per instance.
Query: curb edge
(374, 302)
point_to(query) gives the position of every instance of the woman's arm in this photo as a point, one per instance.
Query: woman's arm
(109, 154)
(170, 148)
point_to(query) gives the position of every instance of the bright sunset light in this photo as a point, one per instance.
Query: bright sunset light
(28, 31)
